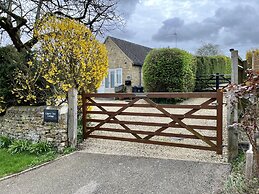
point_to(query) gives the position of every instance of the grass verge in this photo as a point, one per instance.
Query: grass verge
(17, 155)
(13, 163)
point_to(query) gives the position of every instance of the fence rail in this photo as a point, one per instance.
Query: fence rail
(212, 82)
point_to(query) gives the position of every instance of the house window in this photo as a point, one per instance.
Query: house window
(118, 76)
(114, 78)
(107, 82)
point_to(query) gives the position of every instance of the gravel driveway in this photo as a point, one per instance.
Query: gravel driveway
(156, 151)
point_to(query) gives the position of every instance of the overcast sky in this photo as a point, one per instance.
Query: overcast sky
(188, 24)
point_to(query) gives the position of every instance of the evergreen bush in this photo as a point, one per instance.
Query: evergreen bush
(169, 70)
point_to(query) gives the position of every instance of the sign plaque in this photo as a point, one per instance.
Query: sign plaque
(51, 115)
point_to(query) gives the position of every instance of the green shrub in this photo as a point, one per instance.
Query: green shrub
(169, 70)
(41, 147)
(19, 146)
(5, 142)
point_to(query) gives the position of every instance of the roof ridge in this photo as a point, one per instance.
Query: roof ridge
(135, 52)
(130, 42)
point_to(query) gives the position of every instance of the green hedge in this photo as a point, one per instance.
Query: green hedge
(207, 65)
(169, 70)
(175, 70)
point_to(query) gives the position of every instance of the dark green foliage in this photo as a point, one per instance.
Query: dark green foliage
(41, 147)
(169, 70)
(19, 146)
(10, 59)
(5, 142)
(207, 65)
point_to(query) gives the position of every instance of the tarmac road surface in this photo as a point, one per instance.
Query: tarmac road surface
(87, 173)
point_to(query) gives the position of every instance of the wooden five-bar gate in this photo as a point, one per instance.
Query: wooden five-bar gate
(200, 122)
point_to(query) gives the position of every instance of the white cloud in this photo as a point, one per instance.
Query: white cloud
(231, 24)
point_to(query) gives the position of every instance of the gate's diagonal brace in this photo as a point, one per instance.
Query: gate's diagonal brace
(113, 116)
(177, 120)
(206, 103)
(159, 130)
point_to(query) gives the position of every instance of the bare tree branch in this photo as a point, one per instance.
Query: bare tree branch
(11, 14)
(18, 17)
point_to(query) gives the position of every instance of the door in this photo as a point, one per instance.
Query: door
(113, 79)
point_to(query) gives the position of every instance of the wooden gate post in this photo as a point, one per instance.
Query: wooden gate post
(232, 112)
(219, 120)
(84, 107)
(72, 117)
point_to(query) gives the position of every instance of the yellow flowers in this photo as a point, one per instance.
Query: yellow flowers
(69, 56)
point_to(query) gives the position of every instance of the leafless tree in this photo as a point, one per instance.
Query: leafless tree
(209, 49)
(17, 17)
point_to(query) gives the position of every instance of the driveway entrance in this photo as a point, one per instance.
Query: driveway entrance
(85, 173)
(144, 120)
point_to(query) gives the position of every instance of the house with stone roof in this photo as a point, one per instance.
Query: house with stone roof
(125, 63)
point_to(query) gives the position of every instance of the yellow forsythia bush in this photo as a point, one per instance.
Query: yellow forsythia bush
(67, 55)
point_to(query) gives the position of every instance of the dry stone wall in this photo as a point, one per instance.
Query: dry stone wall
(27, 122)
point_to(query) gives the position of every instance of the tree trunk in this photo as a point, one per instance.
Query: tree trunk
(16, 39)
